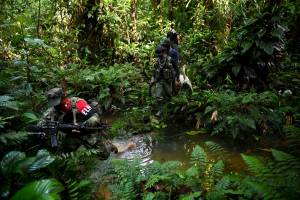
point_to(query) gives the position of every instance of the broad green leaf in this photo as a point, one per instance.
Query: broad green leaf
(201, 131)
(47, 189)
(267, 47)
(246, 46)
(236, 69)
(43, 159)
(247, 122)
(10, 162)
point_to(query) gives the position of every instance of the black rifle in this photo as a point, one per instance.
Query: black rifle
(53, 127)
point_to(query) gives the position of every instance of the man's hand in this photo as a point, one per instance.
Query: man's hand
(152, 81)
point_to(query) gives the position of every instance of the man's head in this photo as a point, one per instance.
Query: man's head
(166, 43)
(161, 51)
(54, 96)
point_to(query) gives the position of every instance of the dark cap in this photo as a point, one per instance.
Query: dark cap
(166, 43)
(54, 96)
(160, 49)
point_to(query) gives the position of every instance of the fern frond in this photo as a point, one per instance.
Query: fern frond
(281, 156)
(217, 149)
(254, 165)
(129, 191)
(78, 154)
(262, 190)
(170, 166)
(154, 179)
(293, 135)
(74, 189)
(218, 169)
(199, 158)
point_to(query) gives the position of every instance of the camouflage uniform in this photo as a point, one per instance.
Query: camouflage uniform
(75, 110)
(163, 76)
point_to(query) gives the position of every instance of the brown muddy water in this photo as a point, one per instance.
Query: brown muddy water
(176, 144)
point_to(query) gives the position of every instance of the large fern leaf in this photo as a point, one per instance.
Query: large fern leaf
(254, 165)
(154, 179)
(129, 191)
(217, 149)
(73, 189)
(217, 169)
(199, 157)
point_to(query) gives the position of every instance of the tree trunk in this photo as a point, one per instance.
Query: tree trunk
(133, 14)
(90, 32)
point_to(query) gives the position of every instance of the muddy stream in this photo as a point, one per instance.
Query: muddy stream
(175, 144)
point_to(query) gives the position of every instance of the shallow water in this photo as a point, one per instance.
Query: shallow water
(175, 144)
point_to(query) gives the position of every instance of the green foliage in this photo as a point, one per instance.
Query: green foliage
(16, 168)
(132, 121)
(44, 189)
(199, 158)
(224, 44)
(256, 49)
(13, 138)
(164, 180)
(16, 162)
(240, 115)
(74, 189)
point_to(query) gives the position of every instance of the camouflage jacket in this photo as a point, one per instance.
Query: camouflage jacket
(163, 70)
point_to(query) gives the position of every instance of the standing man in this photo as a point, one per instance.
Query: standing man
(173, 36)
(162, 79)
(174, 60)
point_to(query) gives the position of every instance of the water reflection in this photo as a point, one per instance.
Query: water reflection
(142, 148)
(176, 145)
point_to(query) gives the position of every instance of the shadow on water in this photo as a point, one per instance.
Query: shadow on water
(174, 144)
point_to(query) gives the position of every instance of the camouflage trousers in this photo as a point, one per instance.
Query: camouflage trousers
(162, 91)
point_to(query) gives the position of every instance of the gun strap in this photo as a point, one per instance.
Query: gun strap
(74, 108)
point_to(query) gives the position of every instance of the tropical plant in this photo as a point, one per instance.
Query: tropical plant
(43, 189)
(256, 49)
(16, 169)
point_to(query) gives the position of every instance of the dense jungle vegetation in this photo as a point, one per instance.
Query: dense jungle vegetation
(242, 57)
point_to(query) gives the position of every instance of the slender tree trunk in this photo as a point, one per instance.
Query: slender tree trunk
(38, 28)
(90, 31)
(133, 14)
(171, 11)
